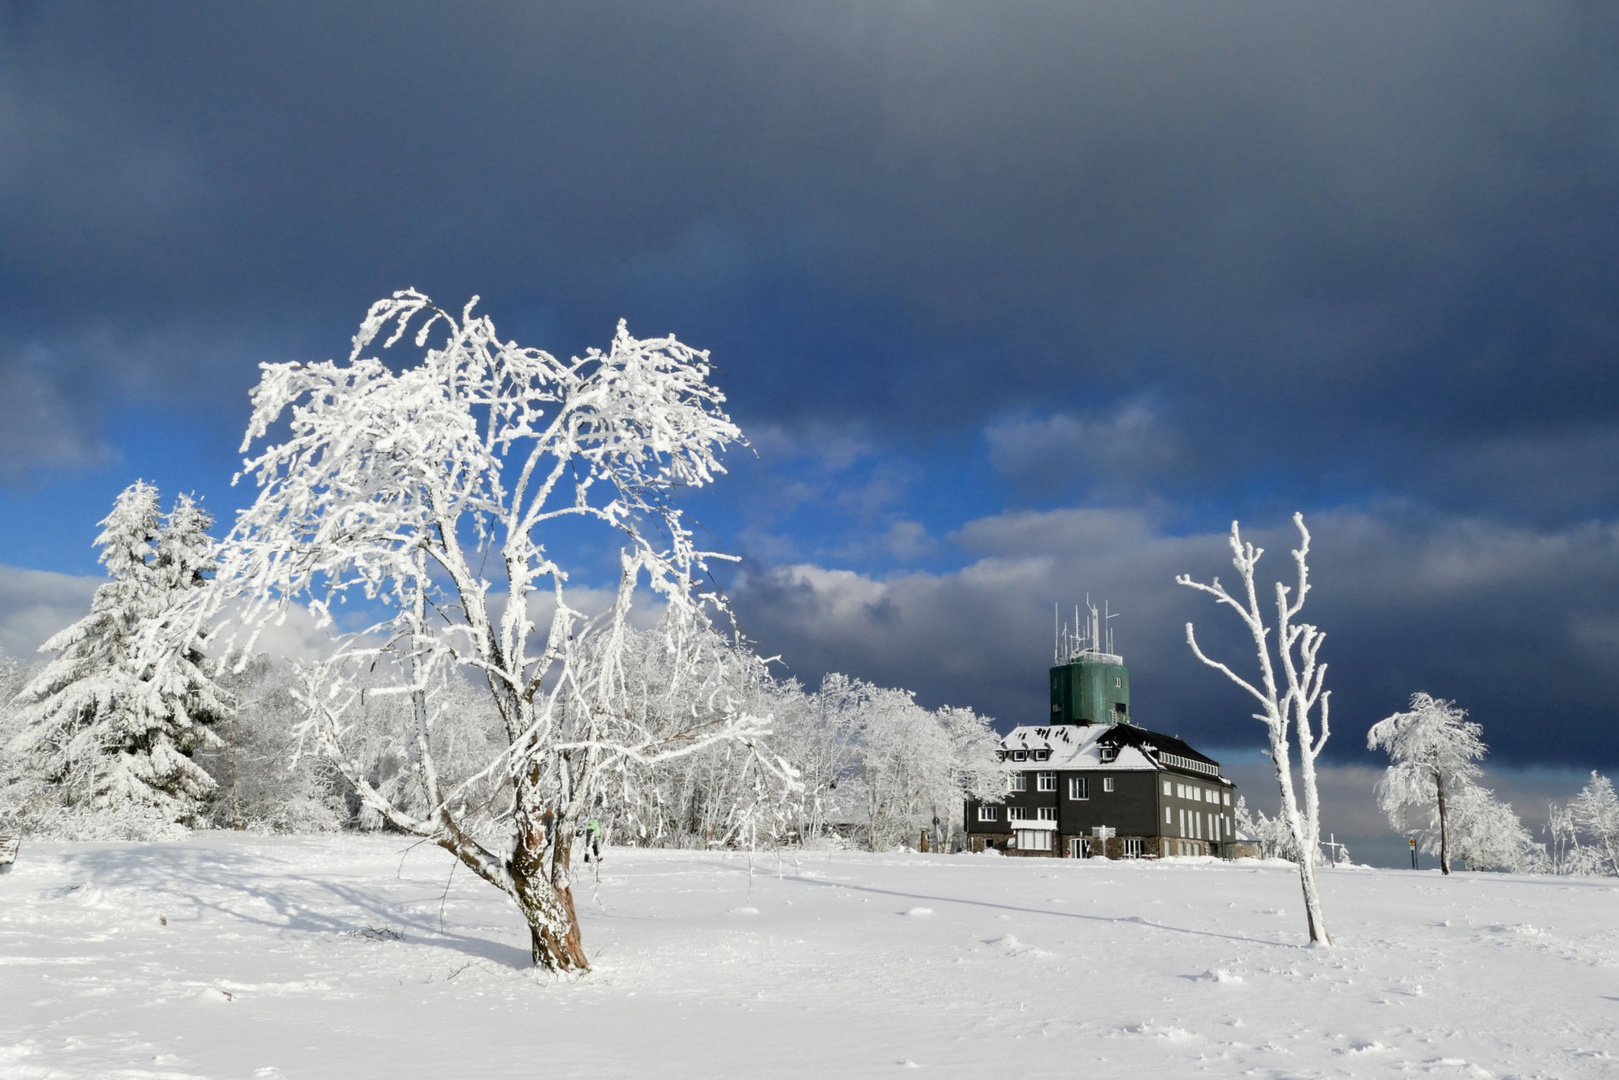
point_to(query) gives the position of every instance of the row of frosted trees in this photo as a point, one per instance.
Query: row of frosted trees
(1432, 792)
(90, 757)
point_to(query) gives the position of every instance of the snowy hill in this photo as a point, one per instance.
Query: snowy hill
(233, 956)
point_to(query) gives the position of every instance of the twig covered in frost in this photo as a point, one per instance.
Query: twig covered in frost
(1286, 705)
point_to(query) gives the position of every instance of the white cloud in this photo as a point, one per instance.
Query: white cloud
(34, 604)
(1112, 449)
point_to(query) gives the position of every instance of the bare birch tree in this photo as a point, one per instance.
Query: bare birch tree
(1287, 704)
(395, 492)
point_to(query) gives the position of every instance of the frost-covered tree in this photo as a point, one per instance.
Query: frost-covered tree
(1434, 751)
(256, 789)
(112, 722)
(1271, 835)
(399, 491)
(1287, 704)
(908, 769)
(1486, 833)
(718, 796)
(1595, 811)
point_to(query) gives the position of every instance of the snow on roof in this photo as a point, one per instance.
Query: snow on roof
(1069, 746)
(1080, 746)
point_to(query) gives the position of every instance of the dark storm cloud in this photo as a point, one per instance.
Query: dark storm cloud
(1386, 228)
(1517, 624)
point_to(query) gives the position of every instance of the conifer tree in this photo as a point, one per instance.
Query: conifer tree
(96, 726)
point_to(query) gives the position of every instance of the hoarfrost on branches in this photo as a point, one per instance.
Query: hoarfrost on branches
(1431, 790)
(1271, 835)
(399, 492)
(1583, 834)
(1286, 705)
(110, 725)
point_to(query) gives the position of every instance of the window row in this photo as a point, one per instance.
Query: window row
(1079, 787)
(1200, 825)
(1017, 813)
(1197, 794)
(1024, 755)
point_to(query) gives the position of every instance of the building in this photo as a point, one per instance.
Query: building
(1092, 782)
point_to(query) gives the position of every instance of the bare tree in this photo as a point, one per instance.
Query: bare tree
(1286, 704)
(396, 491)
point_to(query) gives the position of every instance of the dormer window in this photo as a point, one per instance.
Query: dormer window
(1109, 753)
(1040, 755)
(1020, 755)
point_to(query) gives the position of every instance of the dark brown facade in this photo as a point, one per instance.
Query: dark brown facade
(1151, 811)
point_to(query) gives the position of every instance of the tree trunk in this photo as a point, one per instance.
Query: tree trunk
(1314, 917)
(1444, 830)
(546, 899)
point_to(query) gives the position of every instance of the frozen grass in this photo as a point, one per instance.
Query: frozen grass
(233, 956)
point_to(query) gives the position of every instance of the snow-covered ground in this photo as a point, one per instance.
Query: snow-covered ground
(279, 957)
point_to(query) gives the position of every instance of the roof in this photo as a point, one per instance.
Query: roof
(1080, 746)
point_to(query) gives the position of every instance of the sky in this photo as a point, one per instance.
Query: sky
(1017, 303)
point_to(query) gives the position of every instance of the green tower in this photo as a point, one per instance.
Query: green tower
(1089, 686)
(1091, 689)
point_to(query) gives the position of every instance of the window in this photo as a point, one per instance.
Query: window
(986, 813)
(1020, 755)
(1118, 681)
(1132, 847)
(1168, 818)
(1109, 753)
(1040, 755)
(1196, 793)
(1166, 787)
(1118, 707)
(1015, 813)
(1228, 798)
(1079, 788)
(1020, 781)
(1046, 813)
(1107, 783)
(1180, 791)
(1034, 840)
(1046, 781)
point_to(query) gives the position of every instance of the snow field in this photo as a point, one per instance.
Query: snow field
(233, 956)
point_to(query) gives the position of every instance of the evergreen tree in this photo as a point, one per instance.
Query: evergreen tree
(103, 725)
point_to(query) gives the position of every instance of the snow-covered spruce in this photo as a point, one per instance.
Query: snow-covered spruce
(400, 491)
(109, 726)
(1286, 706)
